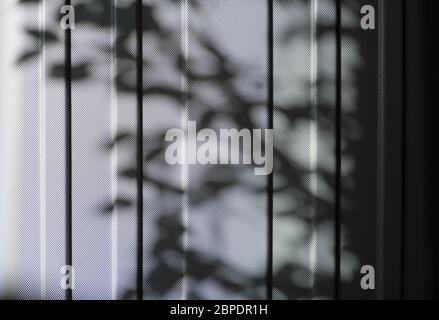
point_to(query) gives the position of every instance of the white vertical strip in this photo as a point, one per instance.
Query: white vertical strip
(184, 124)
(42, 148)
(313, 139)
(10, 115)
(114, 119)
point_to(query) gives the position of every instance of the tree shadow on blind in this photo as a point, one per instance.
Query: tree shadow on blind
(243, 106)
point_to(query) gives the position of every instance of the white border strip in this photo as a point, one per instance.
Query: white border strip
(10, 122)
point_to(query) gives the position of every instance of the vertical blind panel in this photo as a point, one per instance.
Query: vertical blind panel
(305, 99)
(322, 178)
(34, 244)
(325, 147)
(163, 105)
(91, 127)
(25, 237)
(122, 147)
(292, 260)
(360, 150)
(227, 204)
(53, 86)
(9, 135)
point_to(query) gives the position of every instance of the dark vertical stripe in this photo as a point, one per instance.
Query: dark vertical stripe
(270, 107)
(404, 125)
(381, 156)
(139, 147)
(338, 155)
(68, 146)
